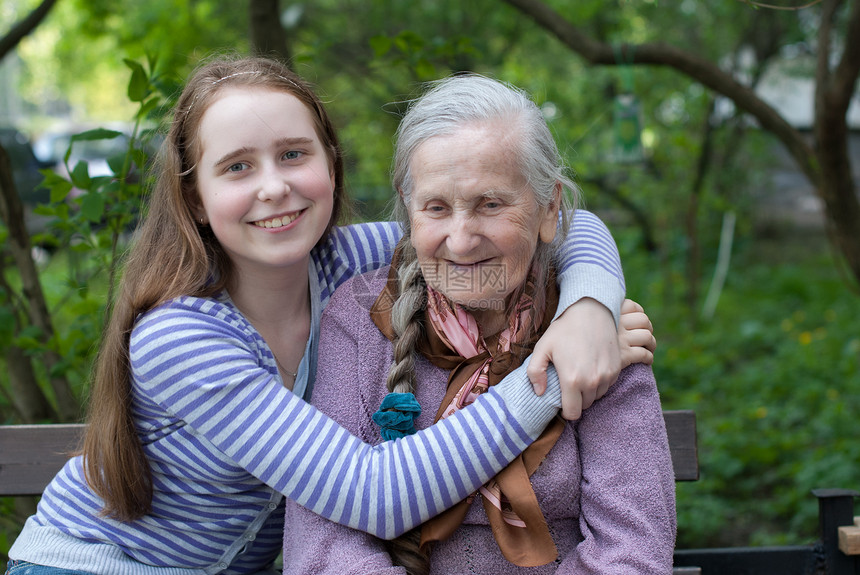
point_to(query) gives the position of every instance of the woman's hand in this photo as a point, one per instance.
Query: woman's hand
(588, 352)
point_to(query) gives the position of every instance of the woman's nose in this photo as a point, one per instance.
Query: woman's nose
(462, 237)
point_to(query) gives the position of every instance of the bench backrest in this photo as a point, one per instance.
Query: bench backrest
(30, 455)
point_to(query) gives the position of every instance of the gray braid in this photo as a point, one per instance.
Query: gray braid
(406, 321)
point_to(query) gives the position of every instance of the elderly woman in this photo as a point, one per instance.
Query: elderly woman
(470, 289)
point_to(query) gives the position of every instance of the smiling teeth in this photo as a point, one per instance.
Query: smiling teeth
(276, 222)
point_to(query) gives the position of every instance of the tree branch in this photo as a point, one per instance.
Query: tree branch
(697, 68)
(24, 27)
(775, 7)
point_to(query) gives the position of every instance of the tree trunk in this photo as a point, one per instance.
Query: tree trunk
(12, 213)
(24, 391)
(827, 167)
(640, 217)
(694, 249)
(268, 37)
(833, 91)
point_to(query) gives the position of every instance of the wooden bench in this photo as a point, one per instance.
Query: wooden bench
(30, 455)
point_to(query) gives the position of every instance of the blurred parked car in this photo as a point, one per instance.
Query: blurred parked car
(26, 175)
(51, 147)
(25, 166)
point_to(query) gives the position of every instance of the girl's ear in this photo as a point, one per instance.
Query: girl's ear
(197, 209)
(549, 221)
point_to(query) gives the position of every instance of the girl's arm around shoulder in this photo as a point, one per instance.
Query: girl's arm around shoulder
(356, 249)
(589, 265)
(198, 364)
(582, 342)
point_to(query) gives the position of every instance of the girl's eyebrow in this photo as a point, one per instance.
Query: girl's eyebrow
(280, 143)
(229, 156)
(294, 141)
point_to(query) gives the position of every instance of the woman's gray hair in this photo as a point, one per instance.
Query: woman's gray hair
(454, 102)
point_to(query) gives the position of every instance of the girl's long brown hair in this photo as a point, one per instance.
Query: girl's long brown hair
(172, 255)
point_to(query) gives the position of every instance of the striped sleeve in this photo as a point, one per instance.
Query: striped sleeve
(353, 250)
(204, 372)
(589, 265)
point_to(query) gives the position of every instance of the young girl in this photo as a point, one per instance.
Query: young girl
(194, 436)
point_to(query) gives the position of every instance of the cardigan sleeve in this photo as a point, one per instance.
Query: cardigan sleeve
(203, 371)
(627, 517)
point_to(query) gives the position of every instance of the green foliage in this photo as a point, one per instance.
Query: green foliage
(775, 382)
(90, 219)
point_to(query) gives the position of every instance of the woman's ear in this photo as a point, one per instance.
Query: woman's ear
(549, 222)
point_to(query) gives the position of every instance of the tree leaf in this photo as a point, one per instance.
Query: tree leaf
(380, 45)
(81, 175)
(96, 134)
(138, 85)
(93, 206)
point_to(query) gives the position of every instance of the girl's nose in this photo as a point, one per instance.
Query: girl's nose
(273, 186)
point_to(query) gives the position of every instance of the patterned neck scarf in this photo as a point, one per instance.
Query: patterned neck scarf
(455, 343)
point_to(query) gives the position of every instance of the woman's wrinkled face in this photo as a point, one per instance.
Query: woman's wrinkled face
(475, 220)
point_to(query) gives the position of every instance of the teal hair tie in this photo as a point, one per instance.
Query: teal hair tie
(396, 415)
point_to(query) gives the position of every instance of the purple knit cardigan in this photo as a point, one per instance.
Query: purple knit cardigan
(606, 489)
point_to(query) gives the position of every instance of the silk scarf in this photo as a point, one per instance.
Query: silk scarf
(455, 343)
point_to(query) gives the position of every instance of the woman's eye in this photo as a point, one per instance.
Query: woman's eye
(492, 204)
(292, 155)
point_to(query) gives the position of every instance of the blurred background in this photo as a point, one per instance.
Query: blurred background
(719, 141)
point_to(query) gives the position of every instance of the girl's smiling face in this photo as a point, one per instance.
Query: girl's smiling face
(264, 179)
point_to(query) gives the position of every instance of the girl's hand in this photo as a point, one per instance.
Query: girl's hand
(635, 335)
(588, 352)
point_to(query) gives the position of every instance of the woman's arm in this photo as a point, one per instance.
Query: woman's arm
(627, 498)
(202, 369)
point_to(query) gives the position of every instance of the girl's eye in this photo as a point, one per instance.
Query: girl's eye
(237, 167)
(292, 155)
